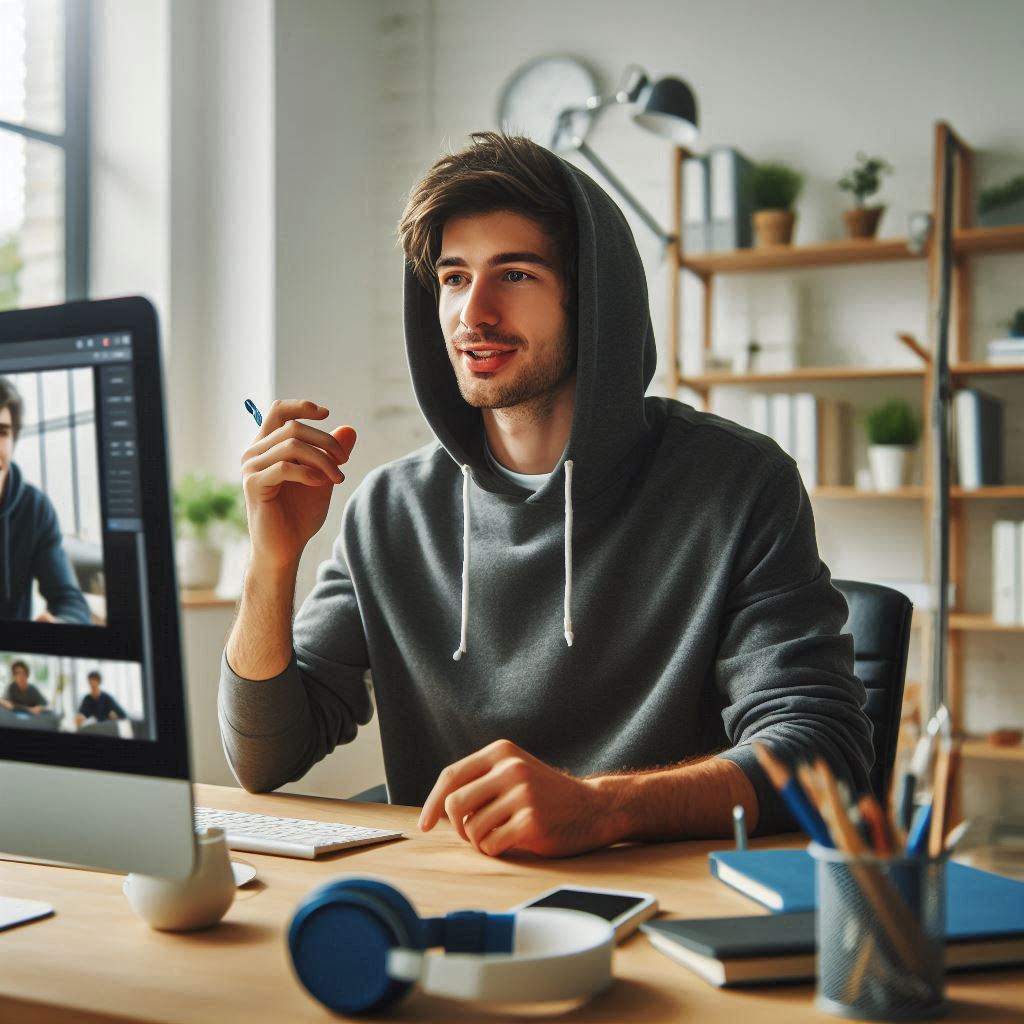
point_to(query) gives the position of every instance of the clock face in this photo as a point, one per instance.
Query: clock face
(538, 92)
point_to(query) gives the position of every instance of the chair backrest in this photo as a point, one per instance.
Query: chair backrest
(879, 622)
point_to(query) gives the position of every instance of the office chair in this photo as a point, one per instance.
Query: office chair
(879, 622)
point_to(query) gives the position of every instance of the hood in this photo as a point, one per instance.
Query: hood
(616, 357)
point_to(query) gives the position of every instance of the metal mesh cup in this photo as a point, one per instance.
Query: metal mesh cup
(881, 928)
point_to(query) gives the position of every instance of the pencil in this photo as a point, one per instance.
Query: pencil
(795, 798)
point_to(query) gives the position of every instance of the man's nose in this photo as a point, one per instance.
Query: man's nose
(479, 309)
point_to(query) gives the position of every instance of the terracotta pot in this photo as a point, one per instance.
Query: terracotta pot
(862, 221)
(773, 227)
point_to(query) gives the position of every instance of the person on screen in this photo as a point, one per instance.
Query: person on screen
(31, 547)
(21, 694)
(97, 704)
(580, 604)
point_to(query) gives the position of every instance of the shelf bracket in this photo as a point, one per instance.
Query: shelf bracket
(916, 347)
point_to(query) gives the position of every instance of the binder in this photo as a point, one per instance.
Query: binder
(978, 419)
(730, 204)
(1007, 562)
(696, 205)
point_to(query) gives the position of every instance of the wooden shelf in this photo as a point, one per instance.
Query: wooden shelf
(806, 374)
(857, 494)
(204, 599)
(985, 369)
(973, 623)
(979, 240)
(789, 257)
(1004, 491)
(980, 748)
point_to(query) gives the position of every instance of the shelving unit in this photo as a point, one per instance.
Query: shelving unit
(968, 241)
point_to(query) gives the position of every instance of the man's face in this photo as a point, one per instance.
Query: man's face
(6, 446)
(502, 312)
(20, 676)
(94, 685)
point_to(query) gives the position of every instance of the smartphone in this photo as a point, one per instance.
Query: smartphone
(622, 910)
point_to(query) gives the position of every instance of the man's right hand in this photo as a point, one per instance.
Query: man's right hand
(288, 476)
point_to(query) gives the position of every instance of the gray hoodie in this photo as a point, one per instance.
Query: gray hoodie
(675, 549)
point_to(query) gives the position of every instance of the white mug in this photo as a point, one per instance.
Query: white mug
(185, 904)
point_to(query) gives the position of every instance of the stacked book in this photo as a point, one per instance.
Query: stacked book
(1006, 350)
(1008, 573)
(716, 201)
(978, 438)
(812, 430)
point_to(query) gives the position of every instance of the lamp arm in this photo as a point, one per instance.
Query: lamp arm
(633, 203)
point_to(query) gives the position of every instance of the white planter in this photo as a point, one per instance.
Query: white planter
(890, 465)
(198, 564)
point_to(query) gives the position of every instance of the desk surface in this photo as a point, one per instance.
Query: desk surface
(97, 962)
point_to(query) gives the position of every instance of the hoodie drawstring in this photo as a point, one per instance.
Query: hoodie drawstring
(457, 656)
(567, 619)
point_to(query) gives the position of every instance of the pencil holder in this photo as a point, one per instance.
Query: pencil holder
(881, 936)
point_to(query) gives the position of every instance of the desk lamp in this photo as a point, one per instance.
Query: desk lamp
(666, 107)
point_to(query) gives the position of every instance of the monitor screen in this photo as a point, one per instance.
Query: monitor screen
(89, 654)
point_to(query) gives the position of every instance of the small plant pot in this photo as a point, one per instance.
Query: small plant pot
(862, 221)
(890, 465)
(773, 227)
(198, 564)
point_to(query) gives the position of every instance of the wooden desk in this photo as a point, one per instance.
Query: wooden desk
(97, 962)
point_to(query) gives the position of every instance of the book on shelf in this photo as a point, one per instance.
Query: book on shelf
(696, 205)
(1006, 350)
(730, 206)
(978, 438)
(813, 430)
(1008, 572)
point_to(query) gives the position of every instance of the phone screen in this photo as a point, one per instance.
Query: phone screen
(604, 904)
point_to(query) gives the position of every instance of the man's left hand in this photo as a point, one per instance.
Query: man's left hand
(502, 798)
(45, 616)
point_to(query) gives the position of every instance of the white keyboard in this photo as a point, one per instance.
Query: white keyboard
(288, 837)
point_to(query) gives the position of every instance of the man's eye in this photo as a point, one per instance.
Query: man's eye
(515, 276)
(452, 279)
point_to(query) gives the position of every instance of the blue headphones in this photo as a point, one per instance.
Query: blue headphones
(357, 945)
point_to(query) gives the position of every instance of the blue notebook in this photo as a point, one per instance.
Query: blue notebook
(979, 904)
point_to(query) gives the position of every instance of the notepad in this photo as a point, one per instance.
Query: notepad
(979, 904)
(780, 948)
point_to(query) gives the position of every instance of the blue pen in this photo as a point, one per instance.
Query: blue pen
(250, 406)
(917, 838)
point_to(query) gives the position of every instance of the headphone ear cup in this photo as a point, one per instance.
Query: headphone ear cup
(340, 938)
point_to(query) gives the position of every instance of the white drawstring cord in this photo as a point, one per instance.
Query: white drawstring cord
(568, 553)
(457, 656)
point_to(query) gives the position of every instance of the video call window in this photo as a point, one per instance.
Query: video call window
(50, 693)
(51, 466)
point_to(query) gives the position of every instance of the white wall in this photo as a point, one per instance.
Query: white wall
(298, 127)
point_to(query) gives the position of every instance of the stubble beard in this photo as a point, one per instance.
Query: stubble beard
(530, 395)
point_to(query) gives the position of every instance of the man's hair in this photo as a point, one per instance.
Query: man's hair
(497, 172)
(11, 399)
(94, 675)
(20, 664)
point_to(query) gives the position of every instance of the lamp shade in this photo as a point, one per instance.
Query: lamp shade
(669, 108)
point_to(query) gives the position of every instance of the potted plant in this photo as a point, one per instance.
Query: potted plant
(773, 190)
(1002, 204)
(863, 181)
(893, 430)
(206, 511)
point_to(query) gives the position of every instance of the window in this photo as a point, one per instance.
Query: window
(44, 151)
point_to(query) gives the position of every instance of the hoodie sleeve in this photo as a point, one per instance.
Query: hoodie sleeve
(784, 669)
(51, 568)
(275, 730)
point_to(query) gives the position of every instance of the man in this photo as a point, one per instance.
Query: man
(21, 694)
(98, 705)
(31, 547)
(634, 586)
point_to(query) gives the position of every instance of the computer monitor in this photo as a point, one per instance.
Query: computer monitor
(94, 762)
